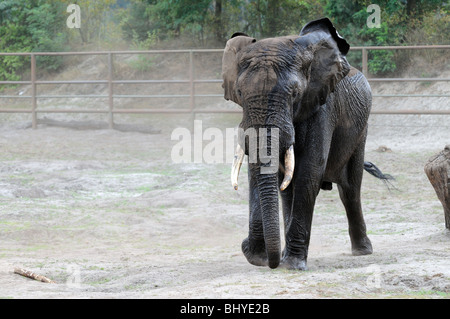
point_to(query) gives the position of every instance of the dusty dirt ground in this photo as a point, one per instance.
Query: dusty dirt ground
(106, 214)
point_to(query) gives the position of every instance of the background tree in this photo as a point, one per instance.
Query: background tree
(39, 25)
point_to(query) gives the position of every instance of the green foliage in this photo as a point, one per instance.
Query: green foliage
(135, 21)
(39, 25)
(13, 38)
(402, 22)
(166, 18)
(143, 62)
(268, 18)
(43, 25)
(29, 26)
(95, 16)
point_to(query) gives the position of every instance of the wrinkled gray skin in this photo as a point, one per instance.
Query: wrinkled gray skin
(304, 86)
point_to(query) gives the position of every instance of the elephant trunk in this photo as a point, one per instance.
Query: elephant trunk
(267, 185)
(265, 173)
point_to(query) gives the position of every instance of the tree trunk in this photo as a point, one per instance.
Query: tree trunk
(218, 21)
(83, 38)
(259, 14)
(438, 171)
(273, 8)
(410, 7)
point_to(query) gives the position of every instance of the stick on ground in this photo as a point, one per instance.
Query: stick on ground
(32, 275)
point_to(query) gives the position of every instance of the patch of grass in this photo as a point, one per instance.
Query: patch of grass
(36, 248)
(24, 179)
(144, 189)
(7, 226)
(100, 282)
(95, 268)
(136, 287)
(389, 231)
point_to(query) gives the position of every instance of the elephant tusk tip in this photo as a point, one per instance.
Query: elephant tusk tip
(289, 163)
(237, 162)
(285, 184)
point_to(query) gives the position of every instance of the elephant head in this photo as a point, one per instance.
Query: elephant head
(280, 82)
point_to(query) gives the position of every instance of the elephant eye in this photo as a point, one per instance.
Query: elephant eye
(239, 93)
(295, 94)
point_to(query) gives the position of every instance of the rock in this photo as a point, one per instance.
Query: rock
(383, 149)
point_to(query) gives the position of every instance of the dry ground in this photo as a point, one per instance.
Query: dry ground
(107, 214)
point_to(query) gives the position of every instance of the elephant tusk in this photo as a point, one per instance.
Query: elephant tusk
(237, 162)
(289, 164)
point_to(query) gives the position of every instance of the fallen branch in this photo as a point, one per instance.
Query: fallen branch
(32, 275)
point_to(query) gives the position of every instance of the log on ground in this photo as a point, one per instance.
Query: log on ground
(32, 275)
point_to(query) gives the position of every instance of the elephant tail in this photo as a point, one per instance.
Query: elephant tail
(373, 170)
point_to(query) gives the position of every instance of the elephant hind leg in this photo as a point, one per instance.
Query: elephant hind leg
(350, 194)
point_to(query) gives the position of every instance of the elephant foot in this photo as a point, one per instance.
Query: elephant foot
(255, 252)
(362, 247)
(293, 263)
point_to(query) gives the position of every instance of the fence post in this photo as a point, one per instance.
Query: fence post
(33, 92)
(365, 68)
(192, 87)
(110, 91)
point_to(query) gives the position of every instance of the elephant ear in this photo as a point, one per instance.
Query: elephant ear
(328, 65)
(230, 70)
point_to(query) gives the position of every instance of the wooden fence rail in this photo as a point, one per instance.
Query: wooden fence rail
(110, 81)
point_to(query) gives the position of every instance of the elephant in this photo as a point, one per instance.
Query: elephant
(303, 87)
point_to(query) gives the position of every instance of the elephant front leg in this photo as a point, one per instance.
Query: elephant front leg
(253, 246)
(298, 225)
